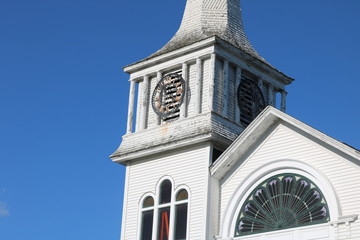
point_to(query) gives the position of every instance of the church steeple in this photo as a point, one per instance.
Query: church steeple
(207, 18)
(188, 102)
(206, 84)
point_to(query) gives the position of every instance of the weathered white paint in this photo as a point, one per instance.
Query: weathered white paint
(198, 86)
(159, 75)
(205, 90)
(185, 76)
(218, 86)
(172, 63)
(231, 93)
(236, 57)
(225, 79)
(144, 102)
(152, 117)
(211, 82)
(237, 83)
(131, 107)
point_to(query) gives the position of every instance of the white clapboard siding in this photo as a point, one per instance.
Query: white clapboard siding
(186, 167)
(214, 214)
(285, 143)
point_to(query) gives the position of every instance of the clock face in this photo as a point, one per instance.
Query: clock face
(168, 96)
(250, 99)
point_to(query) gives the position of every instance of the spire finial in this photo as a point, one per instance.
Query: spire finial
(206, 18)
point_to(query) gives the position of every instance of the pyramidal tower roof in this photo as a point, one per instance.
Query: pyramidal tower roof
(207, 18)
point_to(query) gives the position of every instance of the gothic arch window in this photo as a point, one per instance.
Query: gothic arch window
(164, 210)
(281, 202)
(167, 215)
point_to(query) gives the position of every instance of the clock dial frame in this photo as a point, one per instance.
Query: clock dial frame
(168, 96)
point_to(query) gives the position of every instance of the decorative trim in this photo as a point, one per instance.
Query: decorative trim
(283, 201)
(228, 221)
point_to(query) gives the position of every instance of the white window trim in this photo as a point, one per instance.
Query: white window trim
(157, 206)
(227, 226)
(141, 210)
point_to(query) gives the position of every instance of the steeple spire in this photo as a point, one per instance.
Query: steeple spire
(207, 18)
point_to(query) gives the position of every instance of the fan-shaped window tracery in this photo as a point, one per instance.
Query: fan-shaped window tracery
(281, 202)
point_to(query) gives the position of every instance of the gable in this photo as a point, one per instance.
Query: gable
(284, 148)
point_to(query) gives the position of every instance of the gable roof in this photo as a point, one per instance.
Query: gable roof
(269, 117)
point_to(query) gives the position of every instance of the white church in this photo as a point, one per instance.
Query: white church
(209, 156)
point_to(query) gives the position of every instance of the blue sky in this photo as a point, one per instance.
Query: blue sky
(63, 96)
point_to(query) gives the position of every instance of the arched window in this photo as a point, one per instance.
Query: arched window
(147, 215)
(181, 209)
(168, 203)
(164, 210)
(281, 202)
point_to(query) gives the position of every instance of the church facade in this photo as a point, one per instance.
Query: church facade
(211, 154)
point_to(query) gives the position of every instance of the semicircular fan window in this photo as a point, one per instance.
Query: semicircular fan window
(281, 202)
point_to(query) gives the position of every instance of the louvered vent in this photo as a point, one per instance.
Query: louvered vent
(250, 100)
(168, 96)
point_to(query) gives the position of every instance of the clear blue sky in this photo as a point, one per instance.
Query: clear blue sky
(63, 96)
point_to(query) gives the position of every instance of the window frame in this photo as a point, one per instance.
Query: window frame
(260, 174)
(157, 206)
(142, 210)
(297, 178)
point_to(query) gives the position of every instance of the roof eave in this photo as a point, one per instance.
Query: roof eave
(256, 129)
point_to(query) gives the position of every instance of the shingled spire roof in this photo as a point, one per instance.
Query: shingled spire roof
(207, 18)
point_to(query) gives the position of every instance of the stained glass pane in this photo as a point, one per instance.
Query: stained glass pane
(182, 195)
(148, 202)
(163, 224)
(165, 192)
(281, 202)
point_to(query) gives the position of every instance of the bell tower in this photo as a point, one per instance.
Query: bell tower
(188, 102)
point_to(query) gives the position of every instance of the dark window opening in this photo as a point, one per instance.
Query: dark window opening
(181, 221)
(147, 225)
(250, 100)
(165, 192)
(216, 154)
